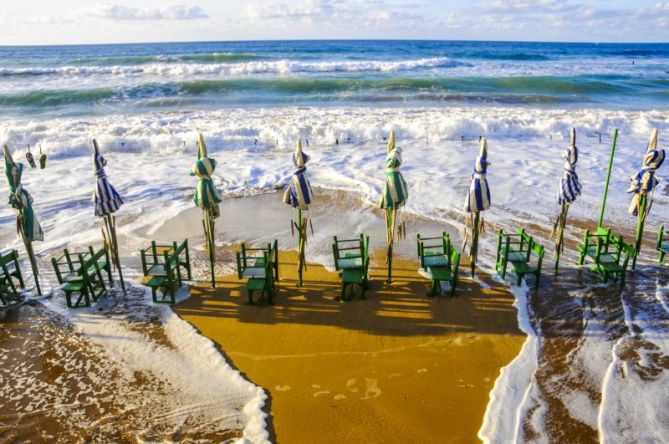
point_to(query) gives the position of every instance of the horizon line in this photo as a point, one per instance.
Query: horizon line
(340, 40)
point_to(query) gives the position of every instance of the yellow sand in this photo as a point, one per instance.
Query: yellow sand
(397, 367)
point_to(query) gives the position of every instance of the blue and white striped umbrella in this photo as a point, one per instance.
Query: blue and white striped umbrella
(299, 194)
(570, 187)
(478, 196)
(106, 198)
(644, 181)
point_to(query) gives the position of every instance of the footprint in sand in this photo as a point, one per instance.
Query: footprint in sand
(372, 390)
(421, 370)
(395, 375)
(322, 392)
(282, 388)
(350, 385)
(316, 386)
(340, 396)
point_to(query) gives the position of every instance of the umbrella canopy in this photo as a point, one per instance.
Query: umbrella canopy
(395, 193)
(644, 181)
(478, 196)
(299, 194)
(570, 187)
(641, 184)
(206, 195)
(21, 200)
(106, 198)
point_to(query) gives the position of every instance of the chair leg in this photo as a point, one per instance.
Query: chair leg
(433, 288)
(250, 302)
(519, 279)
(154, 296)
(661, 257)
(538, 280)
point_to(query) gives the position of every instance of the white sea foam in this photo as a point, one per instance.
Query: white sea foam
(189, 363)
(232, 69)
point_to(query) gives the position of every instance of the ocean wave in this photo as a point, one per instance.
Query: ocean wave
(519, 56)
(277, 89)
(233, 69)
(215, 57)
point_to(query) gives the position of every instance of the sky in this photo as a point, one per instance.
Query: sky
(31, 22)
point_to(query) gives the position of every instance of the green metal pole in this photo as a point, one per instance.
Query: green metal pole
(111, 221)
(389, 234)
(209, 233)
(475, 242)
(33, 264)
(560, 240)
(639, 229)
(608, 177)
(300, 247)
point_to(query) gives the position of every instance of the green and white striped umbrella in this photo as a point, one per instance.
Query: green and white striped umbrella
(21, 200)
(206, 195)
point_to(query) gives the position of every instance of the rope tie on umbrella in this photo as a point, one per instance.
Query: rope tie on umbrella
(644, 181)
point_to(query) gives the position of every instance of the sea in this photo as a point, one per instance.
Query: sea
(596, 359)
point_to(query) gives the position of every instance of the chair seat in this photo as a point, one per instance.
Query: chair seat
(516, 256)
(254, 273)
(441, 274)
(522, 268)
(350, 263)
(74, 286)
(435, 261)
(353, 276)
(608, 258)
(256, 284)
(155, 281)
(157, 270)
(73, 277)
(664, 246)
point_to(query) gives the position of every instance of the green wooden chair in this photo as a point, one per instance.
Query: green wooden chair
(519, 250)
(605, 249)
(440, 260)
(81, 274)
(162, 265)
(10, 270)
(615, 270)
(260, 266)
(662, 244)
(351, 257)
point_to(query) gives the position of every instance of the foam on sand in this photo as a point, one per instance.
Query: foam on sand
(201, 382)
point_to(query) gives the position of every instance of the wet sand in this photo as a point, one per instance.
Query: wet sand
(396, 367)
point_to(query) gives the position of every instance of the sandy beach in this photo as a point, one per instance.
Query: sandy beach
(396, 367)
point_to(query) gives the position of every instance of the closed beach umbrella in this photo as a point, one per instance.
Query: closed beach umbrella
(394, 195)
(642, 184)
(299, 195)
(20, 199)
(107, 202)
(478, 199)
(207, 198)
(568, 190)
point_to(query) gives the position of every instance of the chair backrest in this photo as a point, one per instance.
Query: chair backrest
(454, 261)
(444, 247)
(10, 257)
(360, 244)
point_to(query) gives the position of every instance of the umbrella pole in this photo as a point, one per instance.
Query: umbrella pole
(475, 243)
(33, 263)
(560, 235)
(639, 229)
(301, 240)
(209, 235)
(110, 224)
(390, 230)
(608, 178)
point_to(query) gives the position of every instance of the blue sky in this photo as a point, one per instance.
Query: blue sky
(85, 21)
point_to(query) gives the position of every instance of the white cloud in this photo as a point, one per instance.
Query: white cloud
(118, 12)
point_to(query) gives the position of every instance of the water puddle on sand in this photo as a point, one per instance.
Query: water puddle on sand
(122, 371)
